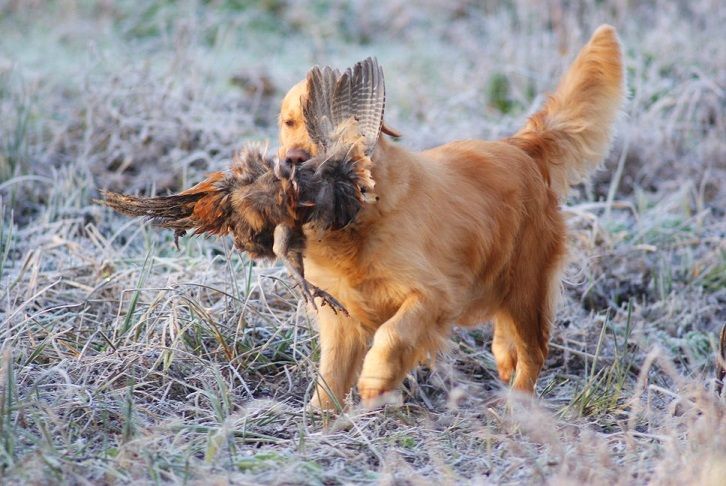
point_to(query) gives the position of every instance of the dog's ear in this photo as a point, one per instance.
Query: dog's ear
(391, 132)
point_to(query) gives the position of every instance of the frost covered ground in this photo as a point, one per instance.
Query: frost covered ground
(125, 360)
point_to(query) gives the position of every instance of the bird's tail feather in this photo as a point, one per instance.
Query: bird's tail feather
(201, 208)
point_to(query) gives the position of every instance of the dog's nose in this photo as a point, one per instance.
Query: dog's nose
(296, 156)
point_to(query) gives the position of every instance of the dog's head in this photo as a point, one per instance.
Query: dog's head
(295, 143)
(296, 146)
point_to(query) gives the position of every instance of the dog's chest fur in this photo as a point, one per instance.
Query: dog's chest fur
(364, 285)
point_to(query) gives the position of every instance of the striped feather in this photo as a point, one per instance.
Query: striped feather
(358, 93)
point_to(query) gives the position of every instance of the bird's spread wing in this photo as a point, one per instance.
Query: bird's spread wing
(333, 99)
(318, 110)
(361, 93)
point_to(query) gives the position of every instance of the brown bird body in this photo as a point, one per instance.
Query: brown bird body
(264, 203)
(261, 211)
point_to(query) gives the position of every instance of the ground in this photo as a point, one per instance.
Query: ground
(125, 360)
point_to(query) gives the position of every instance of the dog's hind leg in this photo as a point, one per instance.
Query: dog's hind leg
(533, 289)
(531, 310)
(504, 346)
(532, 330)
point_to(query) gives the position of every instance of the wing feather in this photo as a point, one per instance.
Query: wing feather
(317, 110)
(334, 98)
(370, 102)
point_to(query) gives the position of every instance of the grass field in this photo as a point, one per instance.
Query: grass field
(124, 360)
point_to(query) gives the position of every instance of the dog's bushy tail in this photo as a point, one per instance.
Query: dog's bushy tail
(571, 134)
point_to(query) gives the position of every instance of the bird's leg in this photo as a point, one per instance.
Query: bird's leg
(177, 234)
(311, 291)
(295, 269)
(281, 248)
(293, 260)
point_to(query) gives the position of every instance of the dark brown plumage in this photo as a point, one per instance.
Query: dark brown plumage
(265, 203)
(247, 200)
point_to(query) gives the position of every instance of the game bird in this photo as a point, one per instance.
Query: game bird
(265, 203)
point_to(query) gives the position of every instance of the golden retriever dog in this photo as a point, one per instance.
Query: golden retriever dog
(463, 233)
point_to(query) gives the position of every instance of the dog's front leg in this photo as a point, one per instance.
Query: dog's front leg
(408, 337)
(342, 345)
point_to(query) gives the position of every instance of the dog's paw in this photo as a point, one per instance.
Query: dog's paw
(319, 403)
(377, 392)
(506, 370)
(506, 359)
(324, 399)
(373, 399)
(315, 405)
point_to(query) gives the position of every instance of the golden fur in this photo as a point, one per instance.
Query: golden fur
(463, 233)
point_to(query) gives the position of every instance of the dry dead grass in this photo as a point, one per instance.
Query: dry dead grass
(124, 360)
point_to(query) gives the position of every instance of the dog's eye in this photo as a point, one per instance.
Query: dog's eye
(290, 123)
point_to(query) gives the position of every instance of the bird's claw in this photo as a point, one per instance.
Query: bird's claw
(177, 234)
(328, 299)
(308, 296)
(309, 293)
